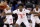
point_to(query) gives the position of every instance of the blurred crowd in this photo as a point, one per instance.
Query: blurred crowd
(13, 5)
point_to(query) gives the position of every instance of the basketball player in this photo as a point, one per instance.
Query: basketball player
(4, 6)
(21, 12)
(6, 9)
(37, 19)
(34, 16)
(8, 16)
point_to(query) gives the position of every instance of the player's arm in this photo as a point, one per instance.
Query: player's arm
(35, 14)
(9, 13)
(27, 11)
(30, 12)
(39, 14)
(8, 8)
(4, 19)
(14, 12)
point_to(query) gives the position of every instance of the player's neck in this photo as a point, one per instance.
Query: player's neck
(20, 10)
(37, 9)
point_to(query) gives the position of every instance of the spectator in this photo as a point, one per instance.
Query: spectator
(16, 5)
(8, 1)
(29, 5)
(0, 1)
(11, 0)
(12, 7)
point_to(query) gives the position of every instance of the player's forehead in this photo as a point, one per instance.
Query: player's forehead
(20, 6)
(37, 5)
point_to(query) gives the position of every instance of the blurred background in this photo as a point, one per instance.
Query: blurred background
(14, 3)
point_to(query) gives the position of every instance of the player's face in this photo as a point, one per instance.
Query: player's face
(20, 7)
(37, 6)
(10, 5)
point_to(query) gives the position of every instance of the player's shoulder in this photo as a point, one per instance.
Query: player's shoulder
(9, 10)
(34, 8)
(24, 9)
(27, 10)
(15, 11)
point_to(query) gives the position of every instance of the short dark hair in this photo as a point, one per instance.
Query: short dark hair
(37, 5)
(20, 5)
